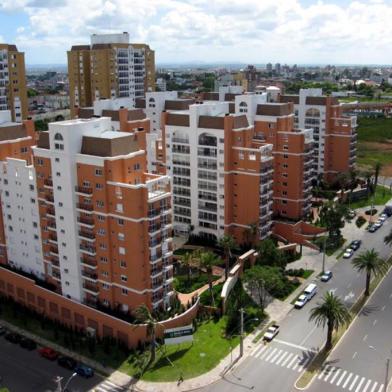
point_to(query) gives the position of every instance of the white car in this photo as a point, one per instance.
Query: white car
(348, 253)
(271, 332)
(378, 224)
(383, 218)
(301, 301)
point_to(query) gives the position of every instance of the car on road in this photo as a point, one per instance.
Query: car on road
(2, 330)
(66, 362)
(355, 245)
(301, 301)
(271, 332)
(28, 344)
(348, 253)
(13, 337)
(84, 370)
(48, 353)
(326, 276)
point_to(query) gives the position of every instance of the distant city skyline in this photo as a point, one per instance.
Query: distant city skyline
(218, 31)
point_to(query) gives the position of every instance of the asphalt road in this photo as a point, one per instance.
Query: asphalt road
(27, 371)
(276, 366)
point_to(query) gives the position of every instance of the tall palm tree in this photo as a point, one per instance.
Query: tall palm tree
(187, 260)
(371, 263)
(331, 312)
(227, 242)
(208, 260)
(377, 169)
(144, 316)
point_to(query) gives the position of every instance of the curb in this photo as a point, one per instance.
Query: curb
(345, 332)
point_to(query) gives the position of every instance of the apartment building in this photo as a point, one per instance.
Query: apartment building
(109, 67)
(334, 134)
(222, 181)
(13, 90)
(101, 226)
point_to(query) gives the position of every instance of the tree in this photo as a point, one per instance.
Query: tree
(143, 315)
(187, 260)
(208, 260)
(254, 278)
(331, 312)
(332, 218)
(227, 242)
(251, 233)
(371, 263)
(269, 254)
(377, 169)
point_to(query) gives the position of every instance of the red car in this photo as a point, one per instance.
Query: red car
(48, 353)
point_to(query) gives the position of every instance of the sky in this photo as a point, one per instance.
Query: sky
(185, 31)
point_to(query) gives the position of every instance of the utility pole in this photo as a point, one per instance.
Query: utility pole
(242, 332)
(325, 245)
(386, 376)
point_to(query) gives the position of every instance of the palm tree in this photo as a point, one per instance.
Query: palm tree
(144, 316)
(208, 260)
(331, 313)
(227, 242)
(377, 169)
(251, 233)
(371, 263)
(187, 260)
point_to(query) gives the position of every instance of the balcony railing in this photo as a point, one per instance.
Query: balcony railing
(91, 250)
(49, 198)
(90, 262)
(85, 206)
(91, 288)
(89, 275)
(87, 236)
(85, 190)
(54, 249)
(50, 211)
(48, 183)
(86, 221)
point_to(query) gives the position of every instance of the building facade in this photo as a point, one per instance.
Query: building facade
(110, 67)
(101, 226)
(13, 90)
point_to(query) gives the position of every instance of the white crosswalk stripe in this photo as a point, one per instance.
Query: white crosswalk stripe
(341, 378)
(354, 382)
(296, 358)
(347, 380)
(374, 387)
(265, 353)
(271, 353)
(324, 371)
(305, 363)
(287, 359)
(335, 376)
(274, 358)
(107, 386)
(283, 356)
(330, 372)
(360, 384)
(367, 386)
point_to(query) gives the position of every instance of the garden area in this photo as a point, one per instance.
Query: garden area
(381, 196)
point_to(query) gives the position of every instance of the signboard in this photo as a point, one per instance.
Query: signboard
(179, 334)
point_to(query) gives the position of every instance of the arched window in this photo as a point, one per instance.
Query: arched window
(243, 107)
(312, 113)
(151, 103)
(58, 136)
(207, 140)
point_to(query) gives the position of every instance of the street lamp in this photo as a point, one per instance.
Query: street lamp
(386, 368)
(59, 379)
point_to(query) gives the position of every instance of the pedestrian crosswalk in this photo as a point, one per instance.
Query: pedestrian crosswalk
(280, 357)
(347, 380)
(107, 386)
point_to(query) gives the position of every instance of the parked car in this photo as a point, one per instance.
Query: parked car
(66, 362)
(84, 370)
(301, 301)
(351, 214)
(383, 217)
(271, 332)
(377, 225)
(372, 228)
(326, 276)
(48, 353)
(348, 253)
(28, 344)
(355, 245)
(2, 330)
(13, 337)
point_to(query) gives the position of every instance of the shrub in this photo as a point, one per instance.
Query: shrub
(360, 221)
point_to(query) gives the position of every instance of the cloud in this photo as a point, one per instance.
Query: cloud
(212, 30)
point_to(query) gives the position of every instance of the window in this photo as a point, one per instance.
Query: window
(121, 236)
(58, 174)
(124, 278)
(98, 172)
(105, 286)
(285, 156)
(105, 274)
(119, 207)
(23, 150)
(121, 250)
(98, 186)
(124, 291)
(123, 264)
(120, 222)
(31, 187)
(136, 166)
(59, 188)
(99, 203)
(103, 260)
(101, 218)
(58, 136)
(101, 232)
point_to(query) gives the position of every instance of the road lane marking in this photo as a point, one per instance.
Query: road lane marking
(381, 388)
(354, 382)
(270, 354)
(281, 358)
(308, 335)
(324, 371)
(374, 322)
(292, 362)
(330, 372)
(265, 353)
(364, 338)
(360, 384)
(295, 346)
(275, 357)
(304, 364)
(259, 351)
(367, 386)
(335, 376)
(287, 359)
(341, 378)
(374, 387)
(347, 380)
(355, 354)
(297, 364)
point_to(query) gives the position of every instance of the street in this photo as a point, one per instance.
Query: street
(23, 371)
(276, 366)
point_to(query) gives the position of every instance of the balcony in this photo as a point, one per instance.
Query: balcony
(83, 191)
(49, 198)
(155, 273)
(180, 140)
(91, 288)
(51, 226)
(90, 275)
(48, 184)
(54, 250)
(91, 263)
(85, 207)
(87, 236)
(56, 276)
(50, 212)
(89, 250)
(53, 239)
(84, 221)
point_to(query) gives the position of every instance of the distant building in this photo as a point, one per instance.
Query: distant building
(109, 67)
(161, 84)
(13, 90)
(269, 67)
(277, 68)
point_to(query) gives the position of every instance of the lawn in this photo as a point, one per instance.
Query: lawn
(381, 196)
(185, 286)
(190, 359)
(374, 129)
